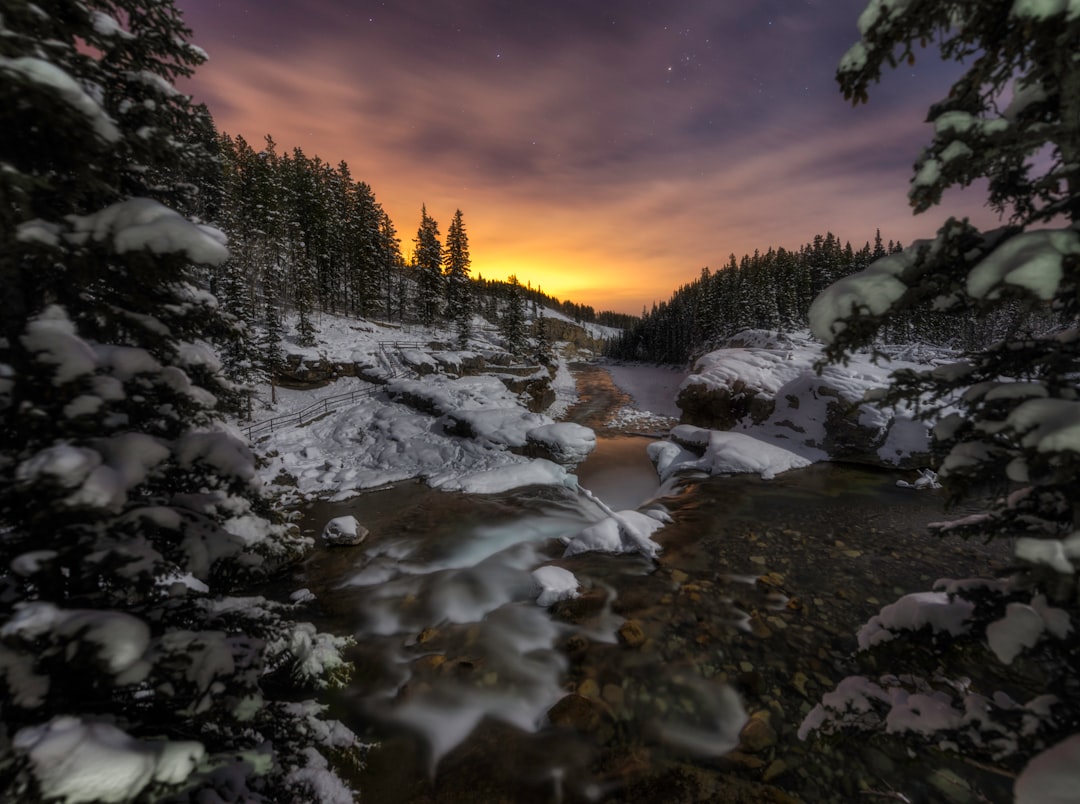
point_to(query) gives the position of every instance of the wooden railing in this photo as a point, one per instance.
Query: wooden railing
(310, 413)
(313, 411)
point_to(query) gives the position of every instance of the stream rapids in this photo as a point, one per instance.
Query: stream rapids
(638, 690)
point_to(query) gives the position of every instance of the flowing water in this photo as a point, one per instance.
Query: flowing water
(634, 691)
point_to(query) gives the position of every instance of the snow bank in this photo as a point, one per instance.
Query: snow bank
(537, 472)
(738, 453)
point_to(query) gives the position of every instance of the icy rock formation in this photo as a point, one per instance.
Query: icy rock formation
(766, 384)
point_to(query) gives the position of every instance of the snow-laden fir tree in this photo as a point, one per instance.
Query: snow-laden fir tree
(128, 513)
(1007, 416)
(427, 260)
(456, 261)
(543, 350)
(512, 320)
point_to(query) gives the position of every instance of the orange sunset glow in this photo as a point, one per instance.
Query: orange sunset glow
(604, 152)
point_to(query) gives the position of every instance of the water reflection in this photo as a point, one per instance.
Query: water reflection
(619, 472)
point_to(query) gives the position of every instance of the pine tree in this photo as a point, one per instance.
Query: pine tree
(428, 263)
(1006, 414)
(458, 292)
(543, 350)
(127, 511)
(512, 321)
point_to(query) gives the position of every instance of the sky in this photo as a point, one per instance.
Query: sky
(604, 150)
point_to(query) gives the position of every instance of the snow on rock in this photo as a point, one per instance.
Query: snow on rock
(566, 442)
(938, 610)
(621, 532)
(539, 472)
(555, 584)
(668, 457)
(441, 394)
(736, 453)
(469, 433)
(1052, 777)
(766, 385)
(344, 531)
(76, 761)
(499, 426)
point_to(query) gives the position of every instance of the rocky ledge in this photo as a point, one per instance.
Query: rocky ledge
(768, 385)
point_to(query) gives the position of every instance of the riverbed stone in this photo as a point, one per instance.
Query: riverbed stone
(589, 688)
(631, 634)
(576, 712)
(776, 768)
(757, 735)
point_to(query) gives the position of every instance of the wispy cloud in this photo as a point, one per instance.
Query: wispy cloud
(603, 151)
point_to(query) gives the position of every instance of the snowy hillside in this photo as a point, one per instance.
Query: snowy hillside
(415, 413)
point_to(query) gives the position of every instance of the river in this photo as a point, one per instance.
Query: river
(635, 690)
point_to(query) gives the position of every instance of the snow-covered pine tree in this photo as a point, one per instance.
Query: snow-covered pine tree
(512, 320)
(543, 350)
(427, 258)
(1007, 415)
(456, 260)
(127, 512)
(389, 251)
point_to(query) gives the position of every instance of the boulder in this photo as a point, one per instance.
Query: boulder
(722, 408)
(768, 386)
(564, 443)
(344, 531)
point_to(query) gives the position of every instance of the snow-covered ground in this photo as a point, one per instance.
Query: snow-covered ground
(456, 433)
